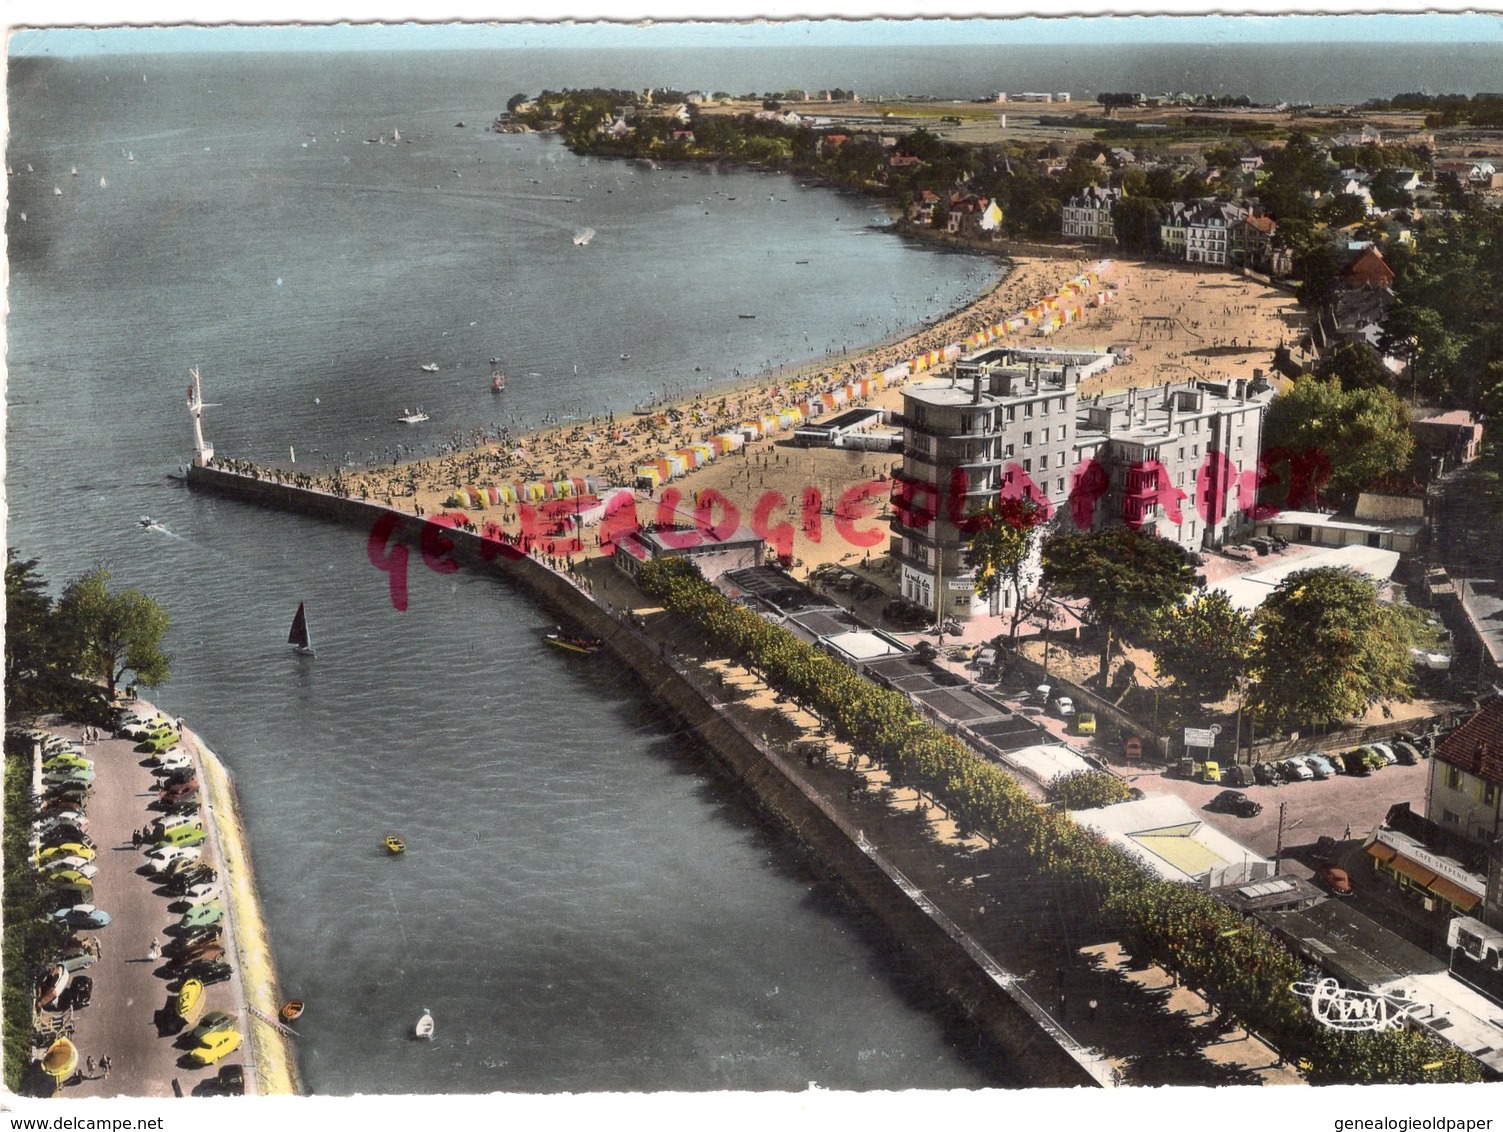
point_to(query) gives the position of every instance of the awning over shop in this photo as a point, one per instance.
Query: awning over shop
(1381, 852)
(1454, 894)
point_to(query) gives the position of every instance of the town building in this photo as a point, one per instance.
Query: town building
(714, 551)
(1003, 418)
(1448, 440)
(1466, 779)
(1088, 214)
(1007, 423)
(1369, 269)
(1176, 461)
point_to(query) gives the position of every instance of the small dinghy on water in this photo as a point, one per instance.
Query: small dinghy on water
(424, 1027)
(395, 845)
(298, 637)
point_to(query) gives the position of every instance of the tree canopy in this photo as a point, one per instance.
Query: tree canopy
(1001, 548)
(1087, 790)
(114, 633)
(1360, 434)
(1327, 650)
(1203, 645)
(1126, 576)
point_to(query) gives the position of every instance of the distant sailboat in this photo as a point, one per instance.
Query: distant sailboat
(396, 135)
(583, 237)
(424, 1027)
(498, 381)
(298, 637)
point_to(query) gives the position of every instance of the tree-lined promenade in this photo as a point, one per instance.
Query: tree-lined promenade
(1238, 966)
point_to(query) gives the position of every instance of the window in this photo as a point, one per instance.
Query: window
(1007, 453)
(1028, 409)
(1059, 484)
(1027, 466)
(1194, 451)
(1449, 818)
(1027, 439)
(1062, 433)
(1489, 794)
(1012, 412)
(1453, 778)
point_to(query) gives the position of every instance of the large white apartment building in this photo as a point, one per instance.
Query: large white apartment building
(1177, 462)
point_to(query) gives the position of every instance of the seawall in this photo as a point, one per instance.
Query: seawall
(986, 993)
(272, 1061)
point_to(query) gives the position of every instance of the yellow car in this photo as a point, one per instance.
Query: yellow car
(1085, 723)
(214, 1046)
(66, 849)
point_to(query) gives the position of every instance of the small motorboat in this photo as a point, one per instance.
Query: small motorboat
(395, 845)
(188, 1002)
(498, 381)
(150, 524)
(424, 1027)
(560, 639)
(291, 1010)
(61, 1059)
(412, 416)
(52, 986)
(626, 357)
(431, 367)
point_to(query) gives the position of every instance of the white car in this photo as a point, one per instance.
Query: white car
(175, 759)
(159, 859)
(201, 893)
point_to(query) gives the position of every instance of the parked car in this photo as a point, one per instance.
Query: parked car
(1357, 763)
(1210, 771)
(1319, 765)
(1085, 723)
(209, 949)
(1407, 753)
(1237, 775)
(1296, 771)
(82, 916)
(160, 859)
(210, 1023)
(1064, 707)
(214, 1047)
(1263, 774)
(1336, 879)
(1234, 802)
(230, 1081)
(1337, 761)
(1385, 752)
(206, 971)
(80, 992)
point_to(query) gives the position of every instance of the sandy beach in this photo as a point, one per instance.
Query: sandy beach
(1179, 322)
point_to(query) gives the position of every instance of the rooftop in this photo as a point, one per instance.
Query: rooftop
(1477, 745)
(1164, 833)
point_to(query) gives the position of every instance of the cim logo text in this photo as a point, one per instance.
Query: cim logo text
(1336, 1008)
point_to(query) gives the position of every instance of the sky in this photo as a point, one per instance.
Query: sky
(854, 27)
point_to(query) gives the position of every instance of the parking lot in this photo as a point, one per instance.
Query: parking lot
(1342, 807)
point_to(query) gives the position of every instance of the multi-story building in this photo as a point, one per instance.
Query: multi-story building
(1466, 778)
(1088, 214)
(1179, 461)
(1199, 231)
(1002, 422)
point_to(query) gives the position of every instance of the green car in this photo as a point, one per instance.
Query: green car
(157, 743)
(210, 913)
(211, 1023)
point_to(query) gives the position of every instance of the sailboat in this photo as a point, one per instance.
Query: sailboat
(424, 1027)
(298, 637)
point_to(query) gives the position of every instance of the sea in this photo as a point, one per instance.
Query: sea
(585, 906)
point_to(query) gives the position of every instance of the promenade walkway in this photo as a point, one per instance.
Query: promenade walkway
(127, 1019)
(1144, 1029)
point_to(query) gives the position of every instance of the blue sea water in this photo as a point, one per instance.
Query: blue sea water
(583, 905)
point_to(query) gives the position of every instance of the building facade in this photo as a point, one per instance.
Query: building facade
(1088, 214)
(1178, 462)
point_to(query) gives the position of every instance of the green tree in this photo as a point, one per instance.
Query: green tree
(1353, 436)
(1087, 790)
(1327, 650)
(114, 633)
(1355, 365)
(1204, 645)
(1135, 220)
(38, 663)
(1126, 576)
(1000, 549)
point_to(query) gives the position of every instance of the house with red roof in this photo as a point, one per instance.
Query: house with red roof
(1466, 778)
(1369, 268)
